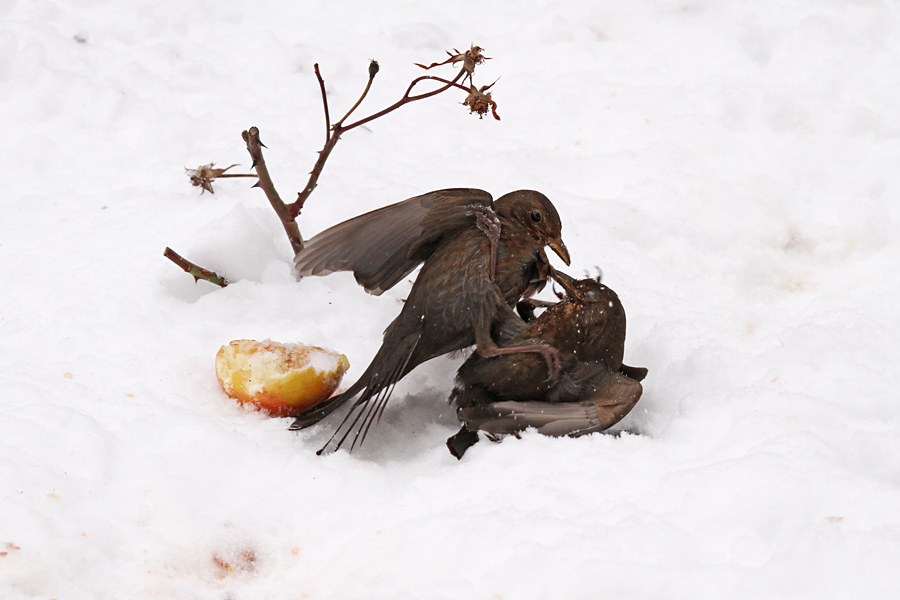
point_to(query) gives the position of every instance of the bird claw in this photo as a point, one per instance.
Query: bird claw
(554, 362)
(487, 221)
(549, 353)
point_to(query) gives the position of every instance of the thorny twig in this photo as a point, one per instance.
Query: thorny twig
(193, 270)
(288, 221)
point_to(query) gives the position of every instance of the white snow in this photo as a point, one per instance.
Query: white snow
(731, 167)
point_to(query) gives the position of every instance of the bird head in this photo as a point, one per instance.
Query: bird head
(582, 291)
(597, 318)
(537, 215)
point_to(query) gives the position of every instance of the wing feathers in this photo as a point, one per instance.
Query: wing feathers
(605, 404)
(383, 246)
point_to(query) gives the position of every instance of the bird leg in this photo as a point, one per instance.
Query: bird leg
(487, 221)
(487, 348)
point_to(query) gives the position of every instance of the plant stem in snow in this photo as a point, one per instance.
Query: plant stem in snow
(285, 214)
(196, 272)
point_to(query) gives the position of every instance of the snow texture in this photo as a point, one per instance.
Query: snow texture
(730, 166)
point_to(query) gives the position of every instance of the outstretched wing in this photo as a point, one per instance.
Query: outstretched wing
(383, 246)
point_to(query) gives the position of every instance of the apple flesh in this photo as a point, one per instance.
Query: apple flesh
(285, 380)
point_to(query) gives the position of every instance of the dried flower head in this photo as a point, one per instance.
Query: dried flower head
(204, 175)
(479, 101)
(473, 57)
(470, 59)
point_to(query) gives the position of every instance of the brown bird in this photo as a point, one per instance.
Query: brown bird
(480, 257)
(508, 394)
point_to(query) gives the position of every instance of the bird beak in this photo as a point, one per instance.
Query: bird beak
(560, 250)
(566, 281)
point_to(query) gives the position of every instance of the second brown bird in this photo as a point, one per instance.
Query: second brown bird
(508, 394)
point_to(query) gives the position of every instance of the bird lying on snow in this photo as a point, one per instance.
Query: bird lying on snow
(510, 393)
(480, 258)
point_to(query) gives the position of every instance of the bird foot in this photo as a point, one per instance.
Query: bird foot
(553, 360)
(486, 220)
(549, 353)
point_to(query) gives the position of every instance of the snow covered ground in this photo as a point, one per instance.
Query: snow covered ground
(731, 167)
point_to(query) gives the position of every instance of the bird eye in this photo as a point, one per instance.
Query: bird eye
(536, 216)
(592, 295)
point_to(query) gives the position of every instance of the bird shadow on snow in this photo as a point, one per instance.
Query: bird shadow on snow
(410, 426)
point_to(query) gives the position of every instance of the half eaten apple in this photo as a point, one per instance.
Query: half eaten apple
(285, 380)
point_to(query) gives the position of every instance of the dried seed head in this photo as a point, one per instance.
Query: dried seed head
(472, 58)
(204, 175)
(479, 101)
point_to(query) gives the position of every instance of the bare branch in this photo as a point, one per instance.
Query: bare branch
(373, 70)
(193, 270)
(254, 147)
(406, 99)
(324, 102)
